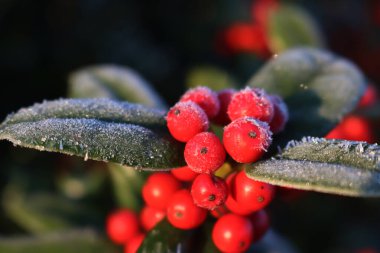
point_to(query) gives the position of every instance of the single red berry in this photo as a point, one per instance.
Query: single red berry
(122, 225)
(186, 119)
(246, 139)
(232, 233)
(205, 98)
(370, 96)
(183, 213)
(231, 203)
(209, 191)
(134, 244)
(219, 211)
(254, 195)
(204, 153)
(184, 174)
(260, 221)
(224, 97)
(252, 102)
(281, 114)
(353, 128)
(158, 189)
(150, 216)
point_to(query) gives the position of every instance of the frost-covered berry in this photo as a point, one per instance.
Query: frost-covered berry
(246, 139)
(224, 97)
(204, 153)
(205, 98)
(209, 191)
(186, 119)
(281, 114)
(252, 102)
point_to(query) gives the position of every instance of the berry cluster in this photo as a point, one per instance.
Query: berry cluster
(186, 195)
(249, 117)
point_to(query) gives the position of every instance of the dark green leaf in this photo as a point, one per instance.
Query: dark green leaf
(72, 241)
(127, 185)
(290, 26)
(165, 238)
(115, 82)
(41, 213)
(331, 166)
(211, 77)
(98, 129)
(318, 87)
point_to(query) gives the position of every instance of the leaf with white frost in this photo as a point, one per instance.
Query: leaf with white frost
(330, 166)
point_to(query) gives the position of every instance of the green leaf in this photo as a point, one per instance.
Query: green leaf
(115, 82)
(72, 241)
(330, 166)
(41, 213)
(212, 77)
(318, 87)
(127, 185)
(290, 26)
(165, 238)
(98, 129)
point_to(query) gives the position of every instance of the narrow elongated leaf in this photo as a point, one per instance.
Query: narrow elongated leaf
(290, 26)
(112, 81)
(98, 129)
(318, 87)
(127, 185)
(331, 166)
(72, 241)
(212, 77)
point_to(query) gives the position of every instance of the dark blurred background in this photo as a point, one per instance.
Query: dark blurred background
(41, 42)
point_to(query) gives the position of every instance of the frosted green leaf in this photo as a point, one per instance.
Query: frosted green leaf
(318, 87)
(115, 82)
(98, 129)
(290, 26)
(331, 166)
(70, 241)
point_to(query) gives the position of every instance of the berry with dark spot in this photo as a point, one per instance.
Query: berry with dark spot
(186, 119)
(183, 213)
(204, 153)
(246, 139)
(209, 191)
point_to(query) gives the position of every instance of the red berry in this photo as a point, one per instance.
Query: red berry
(122, 225)
(231, 203)
(184, 174)
(134, 244)
(353, 128)
(183, 213)
(204, 153)
(252, 102)
(224, 97)
(252, 194)
(205, 98)
(209, 191)
(246, 139)
(186, 119)
(281, 114)
(260, 221)
(158, 189)
(369, 98)
(150, 216)
(232, 233)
